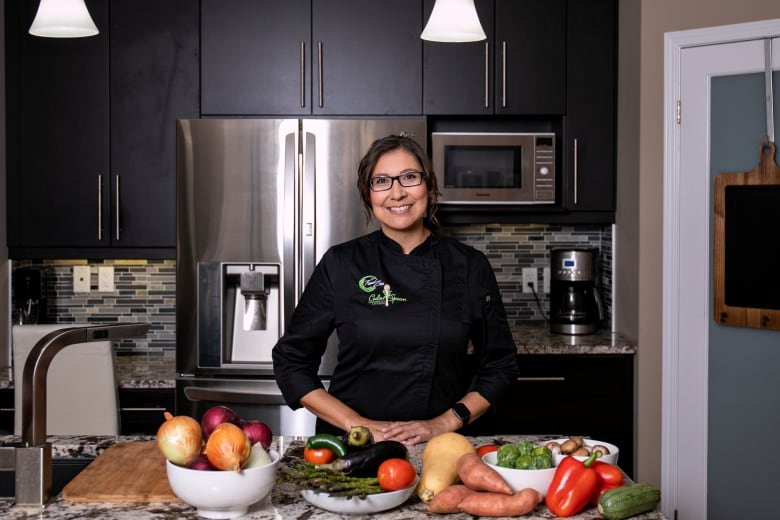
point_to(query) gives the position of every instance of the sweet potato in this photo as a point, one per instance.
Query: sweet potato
(447, 500)
(477, 475)
(498, 504)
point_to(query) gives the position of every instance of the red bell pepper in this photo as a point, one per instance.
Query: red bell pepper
(572, 486)
(609, 477)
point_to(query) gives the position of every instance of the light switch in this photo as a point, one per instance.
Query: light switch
(81, 278)
(106, 279)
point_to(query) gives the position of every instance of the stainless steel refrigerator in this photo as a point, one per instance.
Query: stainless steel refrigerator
(259, 201)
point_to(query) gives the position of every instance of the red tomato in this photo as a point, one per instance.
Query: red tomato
(318, 455)
(395, 474)
(486, 448)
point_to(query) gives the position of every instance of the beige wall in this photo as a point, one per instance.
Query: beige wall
(639, 234)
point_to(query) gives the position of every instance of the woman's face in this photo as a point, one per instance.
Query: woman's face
(399, 209)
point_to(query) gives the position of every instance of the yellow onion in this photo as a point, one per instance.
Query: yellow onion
(228, 447)
(179, 439)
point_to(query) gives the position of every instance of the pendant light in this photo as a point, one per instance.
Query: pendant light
(453, 21)
(63, 19)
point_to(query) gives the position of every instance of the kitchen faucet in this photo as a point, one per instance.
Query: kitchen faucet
(32, 458)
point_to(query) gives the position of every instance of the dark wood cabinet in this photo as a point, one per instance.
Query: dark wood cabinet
(562, 394)
(519, 69)
(344, 57)
(591, 106)
(91, 155)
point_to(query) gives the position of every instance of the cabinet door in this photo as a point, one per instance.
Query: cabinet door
(154, 82)
(371, 57)
(591, 106)
(530, 57)
(458, 77)
(62, 121)
(256, 56)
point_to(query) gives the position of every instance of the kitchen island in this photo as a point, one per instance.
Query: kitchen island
(284, 502)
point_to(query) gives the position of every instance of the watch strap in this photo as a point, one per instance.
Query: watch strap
(462, 412)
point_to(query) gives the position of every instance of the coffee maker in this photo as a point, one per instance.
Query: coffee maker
(28, 298)
(575, 302)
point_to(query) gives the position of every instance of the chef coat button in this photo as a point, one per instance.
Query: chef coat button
(487, 299)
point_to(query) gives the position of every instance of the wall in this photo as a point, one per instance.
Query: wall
(640, 178)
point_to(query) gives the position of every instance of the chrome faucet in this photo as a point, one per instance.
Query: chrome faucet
(32, 458)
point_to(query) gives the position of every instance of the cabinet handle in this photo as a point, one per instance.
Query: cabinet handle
(541, 379)
(303, 74)
(503, 74)
(319, 71)
(116, 220)
(487, 71)
(100, 207)
(576, 170)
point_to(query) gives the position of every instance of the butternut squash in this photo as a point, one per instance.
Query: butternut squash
(440, 463)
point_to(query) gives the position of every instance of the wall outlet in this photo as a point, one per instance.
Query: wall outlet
(106, 279)
(530, 277)
(546, 283)
(81, 280)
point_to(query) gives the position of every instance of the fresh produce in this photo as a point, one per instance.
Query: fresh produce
(395, 474)
(477, 475)
(258, 457)
(573, 485)
(359, 437)
(318, 455)
(365, 462)
(440, 463)
(500, 504)
(326, 440)
(179, 439)
(215, 416)
(626, 501)
(609, 476)
(228, 447)
(309, 476)
(448, 499)
(201, 462)
(486, 448)
(524, 455)
(576, 445)
(258, 431)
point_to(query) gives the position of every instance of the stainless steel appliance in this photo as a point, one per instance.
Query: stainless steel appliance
(494, 167)
(575, 302)
(259, 201)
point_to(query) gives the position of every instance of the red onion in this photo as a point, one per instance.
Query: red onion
(258, 432)
(202, 463)
(215, 416)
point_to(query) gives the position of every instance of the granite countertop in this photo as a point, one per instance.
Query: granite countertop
(284, 502)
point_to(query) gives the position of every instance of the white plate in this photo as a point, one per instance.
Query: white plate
(371, 504)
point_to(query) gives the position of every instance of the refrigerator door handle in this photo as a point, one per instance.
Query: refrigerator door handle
(234, 396)
(308, 229)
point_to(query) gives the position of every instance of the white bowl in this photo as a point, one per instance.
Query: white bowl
(538, 479)
(354, 505)
(223, 494)
(612, 458)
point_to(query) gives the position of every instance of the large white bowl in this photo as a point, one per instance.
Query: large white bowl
(223, 494)
(354, 505)
(612, 458)
(538, 479)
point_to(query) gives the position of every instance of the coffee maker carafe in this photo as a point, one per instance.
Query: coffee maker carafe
(575, 302)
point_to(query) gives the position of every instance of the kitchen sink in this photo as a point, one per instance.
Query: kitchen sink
(63, 471)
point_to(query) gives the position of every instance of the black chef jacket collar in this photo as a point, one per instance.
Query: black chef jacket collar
(421, 250)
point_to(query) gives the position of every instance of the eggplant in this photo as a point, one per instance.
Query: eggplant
(365, 462)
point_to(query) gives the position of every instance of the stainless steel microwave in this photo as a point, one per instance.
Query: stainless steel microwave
(494, 168)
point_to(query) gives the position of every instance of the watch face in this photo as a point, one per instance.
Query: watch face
(461, 411)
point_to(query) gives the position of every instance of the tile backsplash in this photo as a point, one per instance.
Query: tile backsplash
(145, 290)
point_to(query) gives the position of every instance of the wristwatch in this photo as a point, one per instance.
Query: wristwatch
(462, 412)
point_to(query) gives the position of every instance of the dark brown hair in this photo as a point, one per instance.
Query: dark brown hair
(388, 144)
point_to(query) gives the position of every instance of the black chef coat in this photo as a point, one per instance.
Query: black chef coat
(416, 332)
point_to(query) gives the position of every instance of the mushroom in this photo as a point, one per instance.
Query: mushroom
(554, 447)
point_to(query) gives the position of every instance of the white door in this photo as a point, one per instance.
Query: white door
(693, 59)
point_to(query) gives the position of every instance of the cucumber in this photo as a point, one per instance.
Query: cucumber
(326, 440)
(627, 501)
(366, 461)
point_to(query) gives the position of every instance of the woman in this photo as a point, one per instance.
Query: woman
(424, 345)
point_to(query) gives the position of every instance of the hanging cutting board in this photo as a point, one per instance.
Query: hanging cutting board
(125, 472)
(746, 289)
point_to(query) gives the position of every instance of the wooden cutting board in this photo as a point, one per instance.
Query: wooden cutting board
(125, 472)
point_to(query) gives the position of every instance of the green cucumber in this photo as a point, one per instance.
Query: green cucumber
(326, 440)
(627, 501)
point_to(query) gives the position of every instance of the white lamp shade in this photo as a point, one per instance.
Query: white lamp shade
(63, 19)
(453, 21)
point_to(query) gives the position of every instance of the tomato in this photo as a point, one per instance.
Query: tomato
(486, 448)
(318, 455)
(395, 474)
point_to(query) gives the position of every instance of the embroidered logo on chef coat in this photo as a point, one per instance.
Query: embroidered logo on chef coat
(380, 293)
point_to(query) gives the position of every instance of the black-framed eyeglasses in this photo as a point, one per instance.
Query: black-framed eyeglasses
(385, 182)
